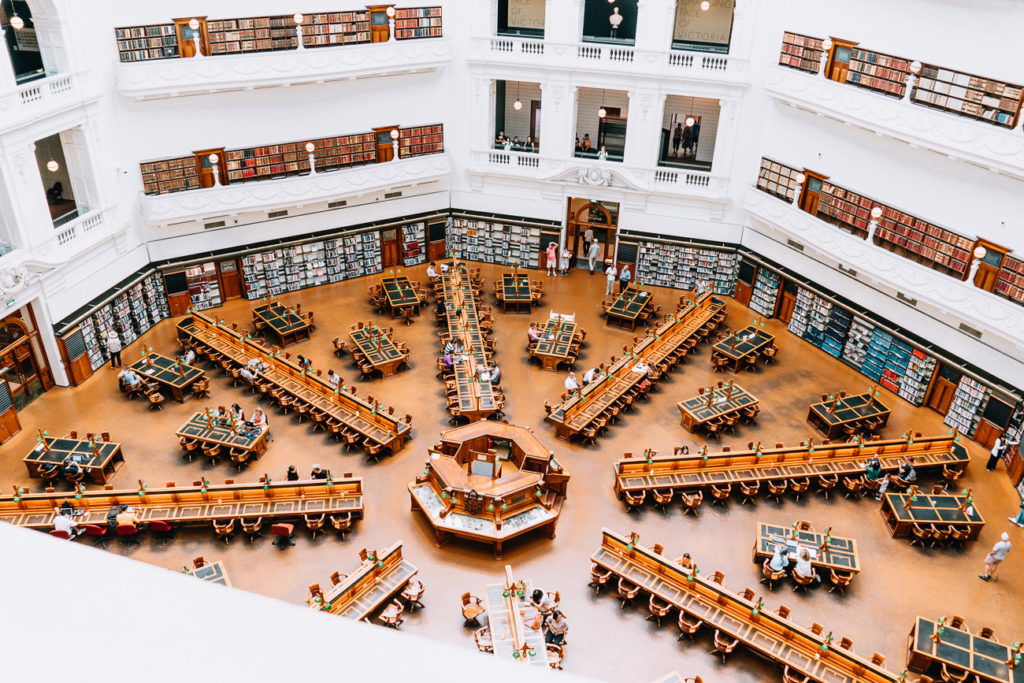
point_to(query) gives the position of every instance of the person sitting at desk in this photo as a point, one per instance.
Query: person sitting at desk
(70, 468)
(544, 604)
(454, 347)
(129, 378)
(780, 558)
(333, 379)
(589, 376)
(873, 469)
(686, 562)
(483, 373)
(293, 473)
(556, 628)
(570, 382)
(124, 518)
(256, 365)
(432, 271)
(304, 363)
(221, 413)
(47, 468)
(62, 522)
(237, 414)
(247, 374)
(907, 471)
(440, 309)
(492, 373)
(318, 473)
(189, 356)
(447, 360)
(803, 565)
(640, 367)
(533, 334)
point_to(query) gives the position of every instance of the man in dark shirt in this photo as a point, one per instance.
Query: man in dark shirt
(318, 473)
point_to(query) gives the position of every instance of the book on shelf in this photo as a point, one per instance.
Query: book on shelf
(877, 71)
(765, 293)
(968, 402)
(417, 22)
(801, 52)
(421, 140)
(145, 43)
(967, 95)
(778, 179)
(169, 175)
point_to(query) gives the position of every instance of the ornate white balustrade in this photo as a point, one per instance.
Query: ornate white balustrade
(39, 98)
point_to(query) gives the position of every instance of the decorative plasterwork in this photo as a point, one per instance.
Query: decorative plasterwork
(173, 77)
(956, 137)
(269, 195)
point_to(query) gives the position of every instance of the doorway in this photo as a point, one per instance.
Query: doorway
(390, 249)
(990, 265)
(22, 43)
(186, 37)
(839, 59)
(386, 145)
(207, 178)
(230, 279)
(379, 32)
(943, 388)
(22, 359)
(590, 219)
(436, 240)
(787, 302)
(810, 196)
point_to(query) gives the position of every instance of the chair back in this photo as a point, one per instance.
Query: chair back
(199, 562)
(95, 530)
(159, 526)
(60, 533)
(127, 530)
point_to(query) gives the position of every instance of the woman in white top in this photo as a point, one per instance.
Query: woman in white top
(612, 274)
(602, 154)
(563, 261)
(780, 558)
(803, 565)
(570, 382)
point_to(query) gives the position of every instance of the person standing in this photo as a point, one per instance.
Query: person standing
(995, 557)
(592, 254)
(611, 274)
(995, 454)
(114, 349)
(552, 256)
(624, 276)
(563, 261)
(1019, 519)
(677, 139)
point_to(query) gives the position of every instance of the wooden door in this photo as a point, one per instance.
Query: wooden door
(9, 424)
(390, 249)
(186, 40)
(810, 196)
(838, 65)
(205, 166)
(943, 387)
(787, 302)
(385, 143)
(230, 279)
(535, 122)
(986, 433)
(178, 304)
(379, 31)
(743, 291)
(989, 266)
(436, 241)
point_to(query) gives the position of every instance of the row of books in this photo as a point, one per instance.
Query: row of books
(491, 241)
(131, 313)
(765, 294)
(965, 408)
(682, 267)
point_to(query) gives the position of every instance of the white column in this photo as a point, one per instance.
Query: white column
(563, 21)
(643, 125)
(725, 139)
(80, 171)
(650, 26)
(28, 221)
(7, 82)
(557, 119)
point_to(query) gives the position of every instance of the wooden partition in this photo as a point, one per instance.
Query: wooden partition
(195, 504)
(380, 576)
(477, 399)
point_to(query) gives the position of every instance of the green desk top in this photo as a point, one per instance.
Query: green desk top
(197, 428)
(930, 509)
(630, 303)
(366, 340)
(283, 320)
(61, 449)
(399, 292)
(968, 652)
(698, 405)
(849, 409)
(163, 370)
(841, 553)
(555, 339)
(744, 346)
(516, 288)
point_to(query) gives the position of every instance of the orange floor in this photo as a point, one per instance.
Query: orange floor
(897, 583)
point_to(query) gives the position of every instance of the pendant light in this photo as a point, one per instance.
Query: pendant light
(602, 112)
(689, 119)
(705, 5)
(518, 104)
(17, 23)
(52, 166)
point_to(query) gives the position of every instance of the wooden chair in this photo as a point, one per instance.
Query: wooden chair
(252, 529)
(634, 500)
(827, 482)
(224, 530)
(156, 400)
(846, 644)
(599, 577)
(840, 580)
(958, 536)
(483, 639)
(555, 655)
(392, 614)
(718, 577)
(338, 577)
(749, 492)
(790, 677)
(854, 486)
(212, 452)
(412, 594)
(691, 502)
(659, 609)
(239, 457)
(920, 535)
(959, 624)
(688, 625)
(315, 523)
(472, 608)
(802, 582)
(770, 576)
(799, 486)
(987, 633)
(777, 489)
(871, 486)
(804, 525)
(627, 592)
(341, 523)
(724, 645)
(662, 498)
(953, 675)
(951, 474)
(720, 494)
(940, 536)
(783, 612)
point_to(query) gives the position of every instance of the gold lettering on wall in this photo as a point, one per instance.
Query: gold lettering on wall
(694, 25)
(526, 14)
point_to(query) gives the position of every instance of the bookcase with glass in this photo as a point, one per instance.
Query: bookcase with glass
(967, 95)
(291, 158)
(844, 208)
(421, 140)
(417, 22)
(766, 292)
(1010, 282)
(169, 175)
(778, 179)
(252, 34)
(413, 243)
(144, 43)
(877, 71)
(801, 52)
(336, 28)
(966, 406)
(681, 266)
(492, 241)
(924, 242)
(203, 286)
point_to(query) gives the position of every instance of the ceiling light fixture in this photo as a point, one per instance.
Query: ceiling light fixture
(17, 23)
(52, 166)
(705, 5)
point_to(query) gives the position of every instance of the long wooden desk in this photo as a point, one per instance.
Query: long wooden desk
(555, 341)
(400, 294)
(961, 650)
(767, 633)
(830, 417)
(165, 372)
(369, 587)
(476, 399)
(516, 293)
(626, 309)
(748, 341)
(379, 349)
(578, 411)
(683, 472)
(696, 412)
(194, 504)
(943, 511)
(211, 431)
(510, 618)
(99, 464)
(212, 572)
(841, 553)
(350, 410)
(289, 326)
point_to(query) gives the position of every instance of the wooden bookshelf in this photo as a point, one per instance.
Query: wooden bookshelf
(876, 71)
(203, 286)
(682, 266)
(845, 208)
(421, 140)
(252, 34)
(1011, 279)
(968, 95)
(417, 22)
(144, 43)
(291, 158)
(778, 179)
(336, 28)
(169, 175)
(801, 52)
(932, 246)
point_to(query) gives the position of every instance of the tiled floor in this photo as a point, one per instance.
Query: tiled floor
(897, 583)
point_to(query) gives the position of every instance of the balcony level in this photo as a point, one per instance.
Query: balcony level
(29, 102)
(162, 78)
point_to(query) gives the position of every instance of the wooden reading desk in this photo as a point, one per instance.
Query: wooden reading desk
(168, 373)
(379, 349)
(693, 471)
(100, 460)
(841, 553)
(748, 341)
(476, 398)
(944, 511)
(961, 650)
(554, 344)
(352, 411)
(830, 418)
(211, 430)
(626, 309)
(195, 504)
(510, 616)
(379, 577)
(580, 410)
(212, 572)
(285, 323)
(748, 621)
(516, 293)
(713, 404)
(400, 295)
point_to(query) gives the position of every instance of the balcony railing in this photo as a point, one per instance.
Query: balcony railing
(292, 191)
(978, 142)
(665, 63)
(998, 320)
(39, 97)
(176, 77)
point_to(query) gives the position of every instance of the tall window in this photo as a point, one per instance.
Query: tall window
(20, 34)
(705, 30)
(610, 22)
(521, 18)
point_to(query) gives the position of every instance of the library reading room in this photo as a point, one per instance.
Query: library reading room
(634, 341)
